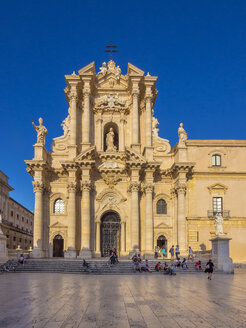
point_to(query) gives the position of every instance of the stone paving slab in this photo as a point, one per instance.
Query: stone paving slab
(51, 300)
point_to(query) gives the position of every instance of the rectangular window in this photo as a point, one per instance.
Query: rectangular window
(216, 160)
(22, 218)
(17, 216)
(217, 205)
(12, 213)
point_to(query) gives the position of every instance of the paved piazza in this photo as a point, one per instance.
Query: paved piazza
(141, 300)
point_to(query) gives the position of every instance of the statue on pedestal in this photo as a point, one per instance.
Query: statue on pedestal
(103, 69)
(110, 140)
(182, 135)
(41, 131)
(218, 223)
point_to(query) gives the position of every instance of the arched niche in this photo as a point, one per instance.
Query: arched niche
(107, 128)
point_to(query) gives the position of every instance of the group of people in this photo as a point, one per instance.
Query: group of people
(169, 268)
(176, 251)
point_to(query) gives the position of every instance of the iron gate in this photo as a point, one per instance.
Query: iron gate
(110, 233)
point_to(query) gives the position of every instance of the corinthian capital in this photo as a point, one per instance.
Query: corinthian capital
(38, 186)
(181, 187)
(85, 186)
(86, 91)
(134, 186)
(72, 187)
(149, 188)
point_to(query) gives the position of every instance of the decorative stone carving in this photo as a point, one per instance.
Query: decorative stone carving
(111, 68)
(181, 187)
(38, 186)
(111, 178)
(85, 186)
(110, 141)
(66, 125)
(111, 101)
(134, 186)
(110, 201)
(72, 187)
(182, 135)
(155, 130)
(117, 73)
(149, 188)
(41, 131)
(218, 223)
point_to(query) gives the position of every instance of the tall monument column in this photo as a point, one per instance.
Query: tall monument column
(181, 189)
(149, 224)
(38, 234)
(148, 121)
(71, 238)
(134, 187)
(86, 114)
(85, 251)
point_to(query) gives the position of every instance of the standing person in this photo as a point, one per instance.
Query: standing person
(163, 252)
(190, 256)
(156, 253)
(177, 251)
(171, 251)
(209, 269)
(184, 264)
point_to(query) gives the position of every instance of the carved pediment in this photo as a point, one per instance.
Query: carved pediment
(88, 69)
(162, 226)
(58, 225)
(111, 102)
(87, 155)
(133, 70)
(132, 156)
(217, 187)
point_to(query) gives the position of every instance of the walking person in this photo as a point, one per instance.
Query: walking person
(177, 251)
(190, 256)
(209, 269)
(171, 251)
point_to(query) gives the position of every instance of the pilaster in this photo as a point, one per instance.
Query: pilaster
(86, 113)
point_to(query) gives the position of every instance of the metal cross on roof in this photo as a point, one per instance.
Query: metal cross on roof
(111, 50)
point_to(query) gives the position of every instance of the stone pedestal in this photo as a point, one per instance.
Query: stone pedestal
(70, 254)
(36, 253)
(220, 254)
(85, 254)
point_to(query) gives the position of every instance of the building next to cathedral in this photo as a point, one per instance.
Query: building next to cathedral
(111, 181)
(16, 221)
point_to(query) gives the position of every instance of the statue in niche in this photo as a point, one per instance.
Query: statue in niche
(182, 135)
(103, 69)
(218, 223)
(110, 140)
(41, 131)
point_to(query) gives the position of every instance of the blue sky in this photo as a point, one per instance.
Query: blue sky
(196, 48)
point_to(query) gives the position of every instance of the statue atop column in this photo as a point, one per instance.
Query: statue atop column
(182, 135)
(110, 140)
(218, 223)
(41, 131)
(103, 69)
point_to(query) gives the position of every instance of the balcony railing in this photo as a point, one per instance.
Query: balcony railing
(225, 213)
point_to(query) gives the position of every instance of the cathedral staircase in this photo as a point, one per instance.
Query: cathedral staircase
(96, 266)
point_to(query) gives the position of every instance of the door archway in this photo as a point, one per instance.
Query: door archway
(110, 233)
(162, 242)
(58, 246)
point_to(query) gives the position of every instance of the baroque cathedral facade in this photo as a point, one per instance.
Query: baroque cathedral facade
(111, 182)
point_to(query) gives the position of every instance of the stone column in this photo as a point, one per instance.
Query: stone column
(181, 188)
(85, 220)
(148, 121)
(73, 126)
(135, 117)
(149, 224)
(98, 238)
(122, 133)
(71, 238)
(86, 116)
(100, 139)
(123, 238)
(37, 252)
(134, 187)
